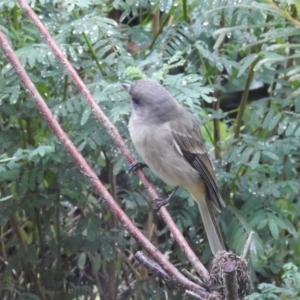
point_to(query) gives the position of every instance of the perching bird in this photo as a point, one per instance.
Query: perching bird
(169, 140)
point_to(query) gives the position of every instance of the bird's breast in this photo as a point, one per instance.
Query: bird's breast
(157, 148)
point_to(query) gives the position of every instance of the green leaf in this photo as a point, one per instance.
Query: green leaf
(273, 227)
(294, 186)
(283, 125)
(297, 105)
(262, 224)
(246, 155)
(268, 118)
(274, 121)
(135, 73)
(271, 155)
(246, 62)
(275, 191)
(81, 261)
(118, 165)
(81, 146)
(6, 198)
(255, 161)
(91, 143)
(85, 115)
(96, 262)
(32, 255)
(280, 223)
(97, 136)
(9, 175)
(291, 128)
(297, 132)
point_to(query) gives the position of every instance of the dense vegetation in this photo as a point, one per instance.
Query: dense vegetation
(234, 64)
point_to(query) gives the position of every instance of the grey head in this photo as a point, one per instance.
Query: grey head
(151, 102)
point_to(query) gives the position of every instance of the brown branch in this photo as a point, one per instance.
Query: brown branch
(155, 22)
(90, 174)
(212, 296)
(192, 277)
(116, 137)
(152, 266)
(230, 278)
(193, 295)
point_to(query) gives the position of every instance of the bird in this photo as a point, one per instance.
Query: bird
(168, 139)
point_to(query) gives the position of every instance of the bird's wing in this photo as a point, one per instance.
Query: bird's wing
(189, 143)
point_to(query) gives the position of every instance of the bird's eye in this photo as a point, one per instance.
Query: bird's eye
(136, 101)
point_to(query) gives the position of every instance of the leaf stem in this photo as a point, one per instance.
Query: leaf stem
(184, 9)
(244, 99)
(284, 13)
(90, 47)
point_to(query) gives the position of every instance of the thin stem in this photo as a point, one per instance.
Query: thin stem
(155, 22)
(241, 111)
(152, 266)
(162, 25)
(65, 92)
(90, 47)
(217, 133)
(247, 245)
(3, 249)
(284, 13)
(15, 14)
(184, 9)
(216, 105)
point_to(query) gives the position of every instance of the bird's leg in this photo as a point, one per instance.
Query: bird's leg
(137, 165)
(161, 202)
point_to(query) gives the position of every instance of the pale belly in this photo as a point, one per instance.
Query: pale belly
(157, 149)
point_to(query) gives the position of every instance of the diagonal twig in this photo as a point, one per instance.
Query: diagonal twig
(152, 266)
(247, 245)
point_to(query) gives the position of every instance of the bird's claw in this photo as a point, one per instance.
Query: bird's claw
(161, 202)
(164, 201)
(137, 165)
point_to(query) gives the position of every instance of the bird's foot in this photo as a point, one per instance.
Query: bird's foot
(137, 165)
(164, 201)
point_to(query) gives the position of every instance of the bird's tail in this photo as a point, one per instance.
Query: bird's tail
(211, 226)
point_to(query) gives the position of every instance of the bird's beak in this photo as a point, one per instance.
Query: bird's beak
(126, 86)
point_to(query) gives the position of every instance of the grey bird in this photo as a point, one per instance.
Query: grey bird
(168, 139)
